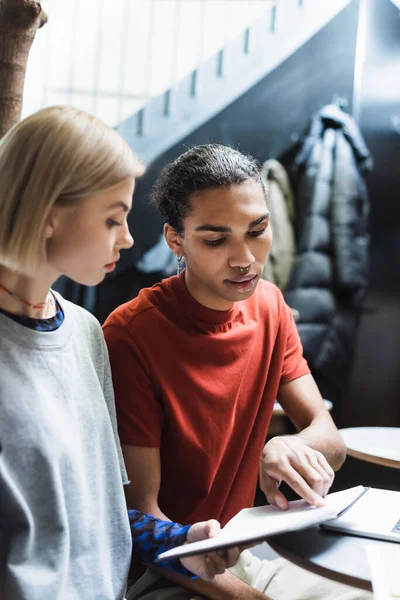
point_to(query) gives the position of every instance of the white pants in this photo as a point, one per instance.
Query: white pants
(278, 578)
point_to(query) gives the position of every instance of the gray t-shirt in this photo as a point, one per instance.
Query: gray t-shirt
(64, 530)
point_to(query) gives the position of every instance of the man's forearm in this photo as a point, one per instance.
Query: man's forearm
(222, 587)
(302, 402)
(324, 437)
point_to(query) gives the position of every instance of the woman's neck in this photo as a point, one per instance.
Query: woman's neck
(26, 296)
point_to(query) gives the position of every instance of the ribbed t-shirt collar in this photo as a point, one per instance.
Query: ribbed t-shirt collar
(196, 311)
(24, 336)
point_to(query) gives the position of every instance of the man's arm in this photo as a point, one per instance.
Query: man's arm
(305, 461)
(143, 466)
(144, 472)
(303, 404)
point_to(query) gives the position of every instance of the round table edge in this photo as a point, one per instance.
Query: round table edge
(308, 565)
(377, 460)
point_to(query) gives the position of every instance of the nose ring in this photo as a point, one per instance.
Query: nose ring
(244, 269)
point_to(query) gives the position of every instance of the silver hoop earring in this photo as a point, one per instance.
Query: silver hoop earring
(178, 264)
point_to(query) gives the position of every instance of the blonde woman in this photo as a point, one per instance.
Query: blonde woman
(66, 184)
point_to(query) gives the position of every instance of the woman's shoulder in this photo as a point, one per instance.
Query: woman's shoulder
(81, 319)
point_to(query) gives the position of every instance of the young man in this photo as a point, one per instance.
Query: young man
(198, 361)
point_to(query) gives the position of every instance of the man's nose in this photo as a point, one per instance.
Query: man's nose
(242, 257)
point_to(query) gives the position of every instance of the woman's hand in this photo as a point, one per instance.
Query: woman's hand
(206, 566)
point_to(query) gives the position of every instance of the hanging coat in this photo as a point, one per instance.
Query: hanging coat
(329, 275)
(278, 265)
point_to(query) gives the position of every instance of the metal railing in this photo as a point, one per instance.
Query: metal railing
(111, 56)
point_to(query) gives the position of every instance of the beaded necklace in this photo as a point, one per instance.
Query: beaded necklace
(48, 300)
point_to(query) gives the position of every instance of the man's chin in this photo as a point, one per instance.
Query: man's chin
(241, 297)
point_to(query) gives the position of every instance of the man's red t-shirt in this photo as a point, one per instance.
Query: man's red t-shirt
(200, 384)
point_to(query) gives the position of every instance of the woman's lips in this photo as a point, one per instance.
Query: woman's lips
(110, 267)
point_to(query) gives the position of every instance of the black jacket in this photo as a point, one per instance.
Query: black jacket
(329, 276)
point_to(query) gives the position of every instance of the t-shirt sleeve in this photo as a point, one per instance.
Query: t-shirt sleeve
(140, 413)
(294, 364)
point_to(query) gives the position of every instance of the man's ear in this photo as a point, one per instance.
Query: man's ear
(174, 240)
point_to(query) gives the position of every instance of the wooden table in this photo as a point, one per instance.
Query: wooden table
(379, 445)
(336, 556)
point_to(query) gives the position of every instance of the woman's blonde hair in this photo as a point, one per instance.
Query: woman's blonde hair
(57, 155)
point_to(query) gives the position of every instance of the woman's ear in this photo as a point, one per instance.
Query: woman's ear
(53, 221)
(174, 240)
(50, 226)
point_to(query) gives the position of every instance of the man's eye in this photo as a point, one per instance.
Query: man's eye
(112, 223)
(214, 242)
(257, 232)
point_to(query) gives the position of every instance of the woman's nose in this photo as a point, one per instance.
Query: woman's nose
(127, 240)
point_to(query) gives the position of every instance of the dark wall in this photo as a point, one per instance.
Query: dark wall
(378, 111)
(374, 395)
(264, 122)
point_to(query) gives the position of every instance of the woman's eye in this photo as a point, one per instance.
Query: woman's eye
(214, 242)
(257, 232)
(112, 223)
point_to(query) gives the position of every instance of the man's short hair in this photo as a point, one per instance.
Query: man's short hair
(203, 167)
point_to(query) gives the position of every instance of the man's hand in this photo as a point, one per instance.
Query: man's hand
(305, 470)
(206, 566)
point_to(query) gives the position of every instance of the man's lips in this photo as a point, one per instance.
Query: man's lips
(243, 279)
(242, 285)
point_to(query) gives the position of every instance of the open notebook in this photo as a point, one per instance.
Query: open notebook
(256, 524)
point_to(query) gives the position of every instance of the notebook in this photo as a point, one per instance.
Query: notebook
(256, 524)
(376, 514)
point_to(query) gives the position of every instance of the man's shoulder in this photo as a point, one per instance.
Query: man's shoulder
(129, 314)
(142, 311)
